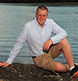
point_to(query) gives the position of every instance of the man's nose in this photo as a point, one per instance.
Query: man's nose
(41, 16)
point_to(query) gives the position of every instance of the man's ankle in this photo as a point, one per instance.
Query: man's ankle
(72, 68)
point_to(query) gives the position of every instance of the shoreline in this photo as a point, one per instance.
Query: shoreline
(46, 4)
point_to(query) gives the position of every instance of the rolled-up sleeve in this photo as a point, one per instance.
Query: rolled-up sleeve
(59, 33)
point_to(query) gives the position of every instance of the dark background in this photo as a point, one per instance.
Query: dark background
(37, 1)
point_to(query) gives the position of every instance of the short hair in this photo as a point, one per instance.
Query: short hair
(42, 8)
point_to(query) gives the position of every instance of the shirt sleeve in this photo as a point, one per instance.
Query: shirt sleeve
(19, 44)
(59, 33)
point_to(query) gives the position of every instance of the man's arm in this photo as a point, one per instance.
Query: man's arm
(16, 49)
(59, 35)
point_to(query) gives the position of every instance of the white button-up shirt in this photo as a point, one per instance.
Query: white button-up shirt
(36, 36)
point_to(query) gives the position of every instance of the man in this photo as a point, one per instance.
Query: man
(43, 46)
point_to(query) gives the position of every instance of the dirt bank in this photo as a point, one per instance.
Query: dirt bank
(29, 72)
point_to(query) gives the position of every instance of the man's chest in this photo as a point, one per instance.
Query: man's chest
(40, 34)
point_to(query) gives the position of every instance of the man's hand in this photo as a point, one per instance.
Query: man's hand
(4, 64)
(47, 44)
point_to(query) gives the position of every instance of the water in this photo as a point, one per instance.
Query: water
(13, 17)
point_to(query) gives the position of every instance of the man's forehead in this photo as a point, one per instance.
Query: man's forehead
(42, 11)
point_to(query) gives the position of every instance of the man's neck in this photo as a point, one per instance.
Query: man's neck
(42, 26)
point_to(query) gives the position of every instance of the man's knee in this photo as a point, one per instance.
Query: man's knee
(63, 42)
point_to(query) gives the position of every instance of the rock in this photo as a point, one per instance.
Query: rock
(29, 72)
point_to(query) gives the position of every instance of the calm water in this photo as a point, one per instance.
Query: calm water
(13, 18)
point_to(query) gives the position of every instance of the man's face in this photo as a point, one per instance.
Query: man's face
(41, 16)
